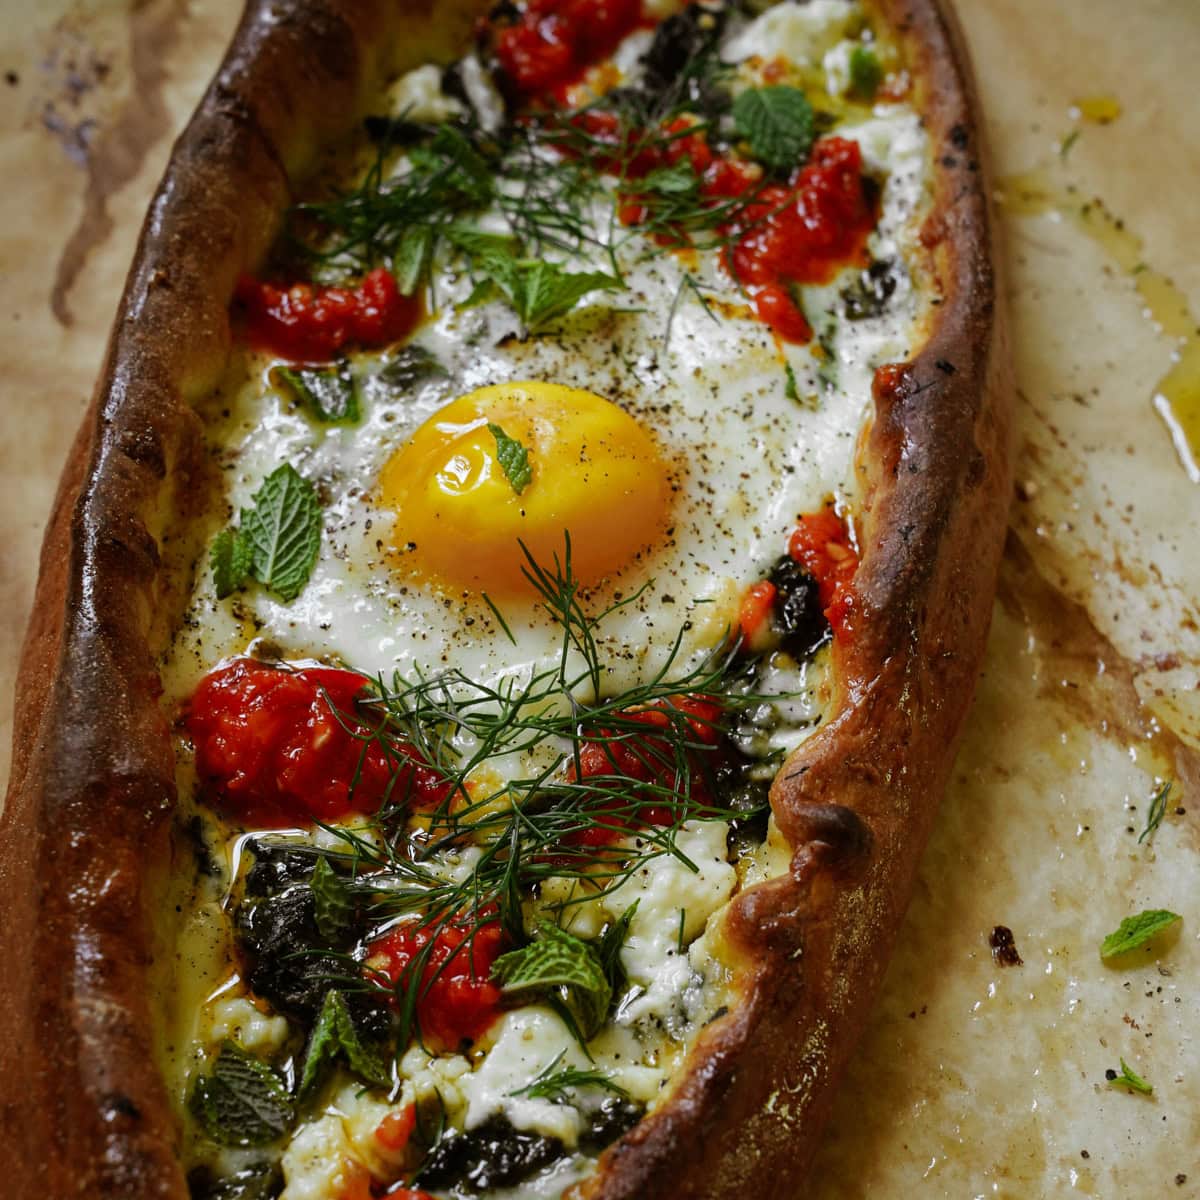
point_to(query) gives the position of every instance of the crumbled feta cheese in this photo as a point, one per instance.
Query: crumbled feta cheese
(235, 1017)
(526, 1042)
(317, 1161)
(418, 96)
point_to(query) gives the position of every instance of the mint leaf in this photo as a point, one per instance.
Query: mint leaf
(333, 906)
(558, 965)
(865, 73)
(513, 459)
(334, 1036)
(284, 528)
(330, 395)
(231, 556)
(1134, 932)
(241, 1102)
(778, 124)
(538, 291)
(548, 291)
(1128, 1078)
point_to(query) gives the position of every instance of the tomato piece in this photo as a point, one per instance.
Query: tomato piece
(353, 1181)
(393, 1132)
(310, 323)
(804, 234)
(822, 544)
(456, 999)
(754, 612)
(277, 747)
(553, 42)
(645, 758)
(776, 307)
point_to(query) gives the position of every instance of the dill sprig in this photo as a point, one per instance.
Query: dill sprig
(560, 181)
(589, 826)
(556, 1086)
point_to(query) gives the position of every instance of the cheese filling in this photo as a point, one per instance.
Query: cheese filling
(726, 415)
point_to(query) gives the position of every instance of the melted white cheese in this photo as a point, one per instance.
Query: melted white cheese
(800, 33)
(747, 460)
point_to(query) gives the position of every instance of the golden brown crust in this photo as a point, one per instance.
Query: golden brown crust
(83, 1109)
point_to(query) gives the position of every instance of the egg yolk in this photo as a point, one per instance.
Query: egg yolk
(596, 474)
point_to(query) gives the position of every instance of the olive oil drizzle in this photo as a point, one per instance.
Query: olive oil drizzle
(1176, 395)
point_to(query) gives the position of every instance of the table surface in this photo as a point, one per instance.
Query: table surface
(972, 1081)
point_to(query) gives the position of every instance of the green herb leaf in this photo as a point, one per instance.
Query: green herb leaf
(1065, 145)
(789, 383)
(611, 942)
(1134, 932)
(231, 556)
(259, 1181)
(409, 366)
(284, 527)
(414, 251)
(513, 459)
(541, 291)
(778, 124)
(865, 73)
(333, 906)
(679, 179)
(558, 962)
(1158, 810)
(330, 395)
(1128, 1078)
(241, 1102)
(556, 1086)
(334, 1035)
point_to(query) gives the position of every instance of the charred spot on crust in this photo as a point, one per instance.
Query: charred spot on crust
(798, 609)
(1004, 947)
(839, 828)
(492, 1155)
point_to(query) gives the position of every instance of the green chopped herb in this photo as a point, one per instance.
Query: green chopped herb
(333, 906)
(866, 74)
(540, 292)
(1134, 932)
(410, 365)
(284, 527)
(1065, 145)
(1128, 1078)
(330, 395)
(1158, 810)
(789, 383)
(513, 459)
(277, 542)
(241, 1102)
(555, 1086)
(334, 1036)
(558, 963)
(231, 557)
(778, 124)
